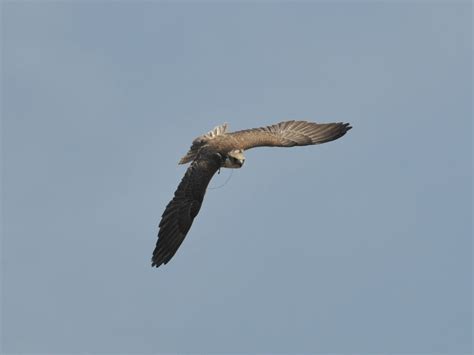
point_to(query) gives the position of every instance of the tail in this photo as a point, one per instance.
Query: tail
(202, 140)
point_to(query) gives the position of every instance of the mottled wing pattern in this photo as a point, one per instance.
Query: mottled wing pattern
(200, 141)
(290, 134)
(180, 212)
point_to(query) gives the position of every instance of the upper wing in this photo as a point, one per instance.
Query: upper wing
(185, 205)
(290, 133)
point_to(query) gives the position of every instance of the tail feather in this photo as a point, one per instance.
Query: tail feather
(200, 141)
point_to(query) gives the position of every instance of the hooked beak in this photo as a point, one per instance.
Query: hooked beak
(241, 161)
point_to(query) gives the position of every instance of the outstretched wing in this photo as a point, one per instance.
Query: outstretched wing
(290, 134)
(180, 212)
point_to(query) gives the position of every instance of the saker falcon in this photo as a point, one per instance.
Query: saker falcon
(221, 149)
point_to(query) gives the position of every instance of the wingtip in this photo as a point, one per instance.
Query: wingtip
(159, 258)
(156, 264)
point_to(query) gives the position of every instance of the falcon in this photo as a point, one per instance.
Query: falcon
(221, 149)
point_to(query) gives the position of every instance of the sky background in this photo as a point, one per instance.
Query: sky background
(360, 245)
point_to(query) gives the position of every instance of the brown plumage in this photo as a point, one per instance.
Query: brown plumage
(217, 149)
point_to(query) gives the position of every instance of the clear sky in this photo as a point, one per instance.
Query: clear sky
(359, 245)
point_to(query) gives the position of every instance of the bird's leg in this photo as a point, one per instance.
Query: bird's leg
(219, 171)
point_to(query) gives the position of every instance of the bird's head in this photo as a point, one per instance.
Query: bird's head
(234, 159)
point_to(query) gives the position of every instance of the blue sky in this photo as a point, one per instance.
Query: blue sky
(359, 245)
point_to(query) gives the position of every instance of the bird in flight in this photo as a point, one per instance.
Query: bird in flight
(221, 149)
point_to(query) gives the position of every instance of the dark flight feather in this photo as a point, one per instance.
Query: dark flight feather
(184, 207)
